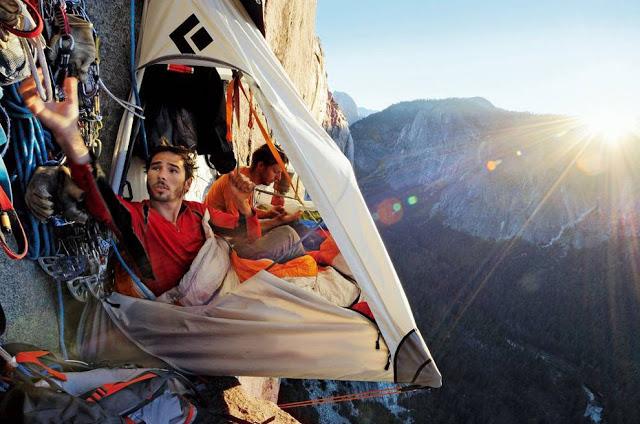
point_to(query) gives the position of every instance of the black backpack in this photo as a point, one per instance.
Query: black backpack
(186, 106)
(149, 396)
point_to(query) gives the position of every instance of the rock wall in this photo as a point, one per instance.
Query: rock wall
(337, 125)
(291, 32)
(29, 302)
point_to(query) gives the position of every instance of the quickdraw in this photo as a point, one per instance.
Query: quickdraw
(66, 45)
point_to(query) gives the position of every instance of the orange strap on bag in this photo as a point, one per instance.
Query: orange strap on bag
(32, 358)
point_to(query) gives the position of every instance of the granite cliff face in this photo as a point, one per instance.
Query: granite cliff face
(351, 110)
(291, 33)
(499, 174)
(336, 124)
(348, 106)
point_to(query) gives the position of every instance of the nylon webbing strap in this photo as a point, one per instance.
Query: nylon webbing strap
(229, 109)
(233, 104)
(34, 358)
(33, 33)
(272, 146)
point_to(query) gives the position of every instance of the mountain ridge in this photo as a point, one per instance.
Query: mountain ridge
(500, 173)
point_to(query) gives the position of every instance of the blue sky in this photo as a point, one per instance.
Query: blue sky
(542, 56)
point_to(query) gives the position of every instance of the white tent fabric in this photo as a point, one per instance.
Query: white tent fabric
(234, 42)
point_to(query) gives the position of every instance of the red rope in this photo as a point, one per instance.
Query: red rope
(33, 33)
(349, 397)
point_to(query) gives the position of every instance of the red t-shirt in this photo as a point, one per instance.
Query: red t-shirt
(170, 248)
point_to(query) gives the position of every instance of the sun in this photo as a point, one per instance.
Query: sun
(611, 125)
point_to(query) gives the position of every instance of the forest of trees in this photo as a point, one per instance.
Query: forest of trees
(517, 330)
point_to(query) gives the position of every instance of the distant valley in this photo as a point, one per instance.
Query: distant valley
(515, 238)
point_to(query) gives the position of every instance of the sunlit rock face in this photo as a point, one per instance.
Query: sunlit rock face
(499, 174)
(351, 110)
(336, 124)
(348, 106)
(291, 32)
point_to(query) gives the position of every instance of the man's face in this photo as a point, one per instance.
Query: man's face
(166, 179)
(269, 173)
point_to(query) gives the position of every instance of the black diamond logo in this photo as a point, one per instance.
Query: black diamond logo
(201, 39)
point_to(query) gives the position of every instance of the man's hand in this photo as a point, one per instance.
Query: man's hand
(59, 117)
(288, 218)
(273, 212)
(281, 219)
(241, 189)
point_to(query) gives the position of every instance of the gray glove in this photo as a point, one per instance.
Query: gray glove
(9, 15)
(52, 190)
(84, 50)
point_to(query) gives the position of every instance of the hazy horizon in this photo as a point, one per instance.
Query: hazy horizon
(570, 58)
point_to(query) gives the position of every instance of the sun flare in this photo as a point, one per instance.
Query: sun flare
(612, 125)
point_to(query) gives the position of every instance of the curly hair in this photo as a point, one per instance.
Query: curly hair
(263, 154)
(188, 156)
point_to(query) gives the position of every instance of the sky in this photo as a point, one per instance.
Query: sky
(563, 56)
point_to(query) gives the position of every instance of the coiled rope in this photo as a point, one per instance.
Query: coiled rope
(29, 144)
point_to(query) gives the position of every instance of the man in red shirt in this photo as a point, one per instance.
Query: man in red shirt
(161, 235)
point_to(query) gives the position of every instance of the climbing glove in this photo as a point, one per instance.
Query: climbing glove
(9, 15)
(51, 190)
(84, 47)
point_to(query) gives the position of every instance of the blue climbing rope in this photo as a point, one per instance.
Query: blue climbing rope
(30, 145)
(144, 289)
(63, 346)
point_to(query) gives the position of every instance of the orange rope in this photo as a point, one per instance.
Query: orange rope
(229, 110)
(272, 147)
(349, 397)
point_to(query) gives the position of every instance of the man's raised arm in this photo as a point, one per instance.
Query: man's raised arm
(61, 118)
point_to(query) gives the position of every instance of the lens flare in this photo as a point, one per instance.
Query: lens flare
(390, 211)
(493, 164)
(611, 125)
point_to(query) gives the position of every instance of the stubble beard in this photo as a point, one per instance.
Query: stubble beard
(166, 196)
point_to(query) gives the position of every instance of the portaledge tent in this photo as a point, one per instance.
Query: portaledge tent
(266, 328)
